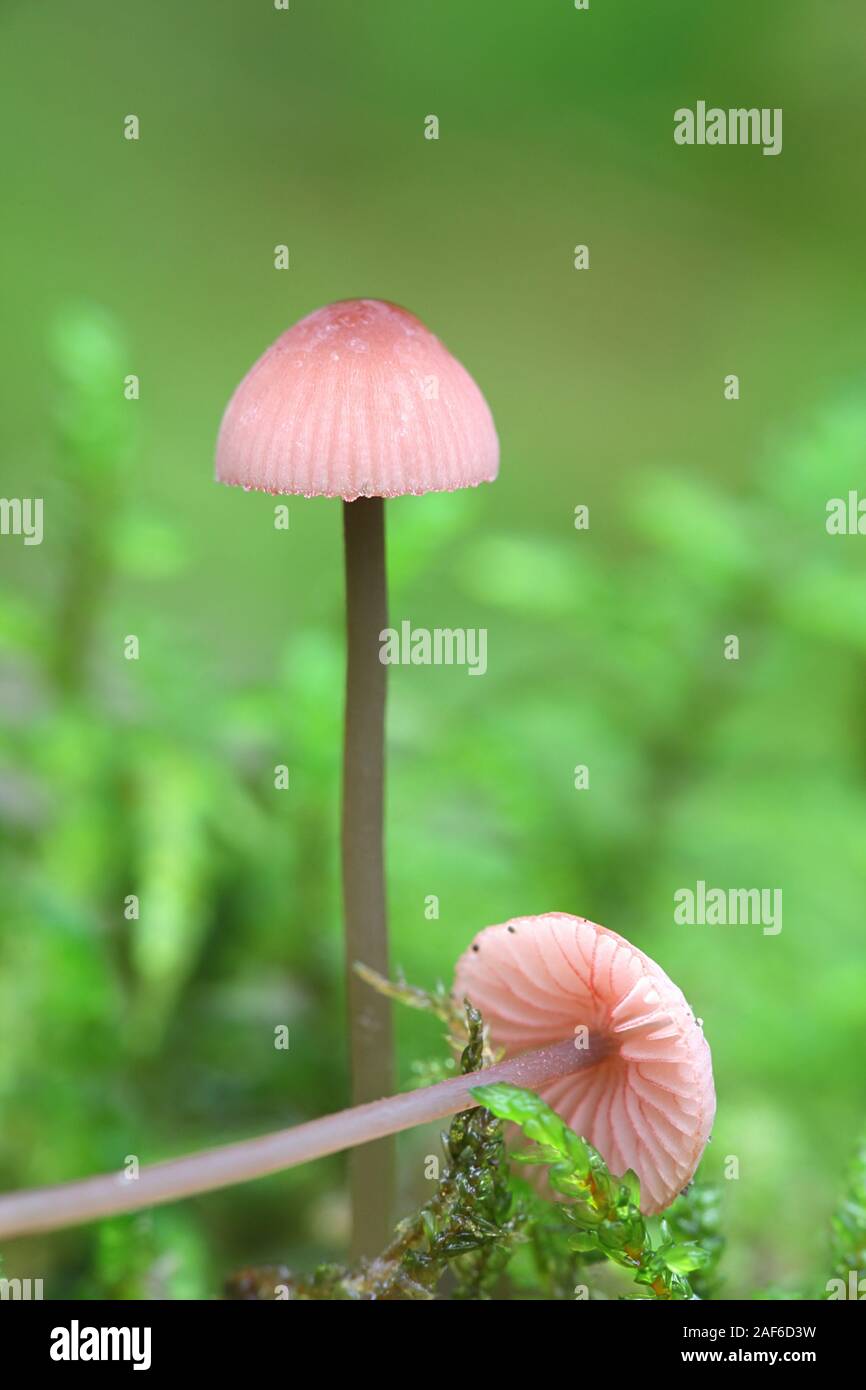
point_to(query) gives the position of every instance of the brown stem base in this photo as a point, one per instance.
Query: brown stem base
(371, 1042)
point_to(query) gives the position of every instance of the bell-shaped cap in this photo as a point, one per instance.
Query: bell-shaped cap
(358, 399)
(648, 1102)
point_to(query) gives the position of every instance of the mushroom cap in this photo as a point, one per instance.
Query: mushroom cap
(649, 1103)
(358, 399)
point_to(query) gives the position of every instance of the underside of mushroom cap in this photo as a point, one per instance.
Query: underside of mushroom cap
(649, 1102)
(358, 399)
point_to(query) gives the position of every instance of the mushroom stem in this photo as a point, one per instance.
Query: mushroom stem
(71, 1204)
(371, 1170)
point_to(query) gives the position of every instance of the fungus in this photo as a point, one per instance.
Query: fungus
(648, 1102)
(639, 1087)
(360, 401)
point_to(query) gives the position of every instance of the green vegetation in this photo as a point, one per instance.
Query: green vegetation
(147, 1028)
(498, 1237)
(153, 1034)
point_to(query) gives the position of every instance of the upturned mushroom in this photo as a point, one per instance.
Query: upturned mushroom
(637, 1083)
(360, 401)
(648, 1101)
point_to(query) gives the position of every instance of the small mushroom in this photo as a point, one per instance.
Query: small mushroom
(648, 1103)
(357, 400)
(640, 1090)
(360, 401)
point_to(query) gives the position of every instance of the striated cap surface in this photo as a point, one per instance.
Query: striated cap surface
(649, 1103)
(358, 399)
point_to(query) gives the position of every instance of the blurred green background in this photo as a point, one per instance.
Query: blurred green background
(155, 777)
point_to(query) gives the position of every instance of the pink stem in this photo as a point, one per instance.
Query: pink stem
(70, 1204)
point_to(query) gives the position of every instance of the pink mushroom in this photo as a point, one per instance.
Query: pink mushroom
(640, 1090)
(360, 401)
(648, 1103)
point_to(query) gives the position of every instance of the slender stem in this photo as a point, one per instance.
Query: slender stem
(371, 1169)
(70, 1204)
